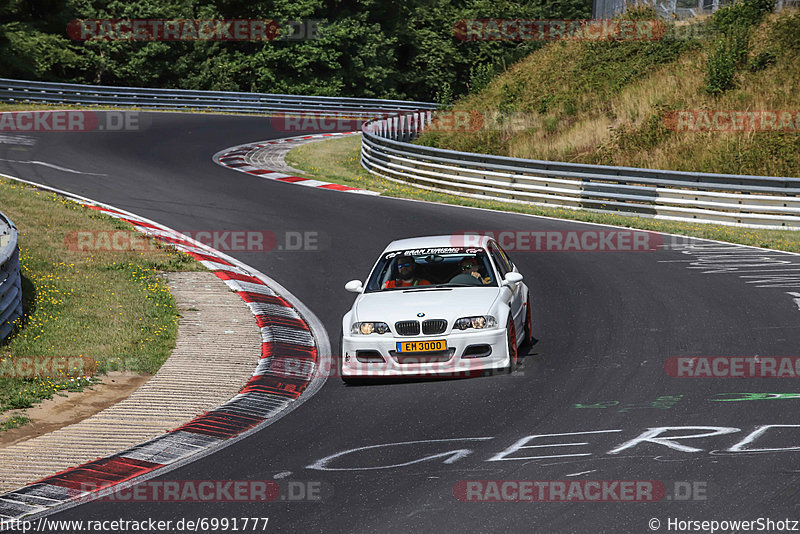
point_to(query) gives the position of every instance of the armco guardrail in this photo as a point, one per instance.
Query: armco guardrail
(180, 99)
(10, 282)
(756, 201)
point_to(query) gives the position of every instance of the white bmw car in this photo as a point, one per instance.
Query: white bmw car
(449, 305)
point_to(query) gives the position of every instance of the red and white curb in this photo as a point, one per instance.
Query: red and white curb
(235, 158)
(294, 355)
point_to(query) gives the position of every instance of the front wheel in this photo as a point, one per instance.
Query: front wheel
(511, 343)
(528, 339)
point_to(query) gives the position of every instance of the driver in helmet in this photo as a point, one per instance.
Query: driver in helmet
(406, 272)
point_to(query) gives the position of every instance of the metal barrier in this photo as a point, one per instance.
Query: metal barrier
(10, 282)
(755, 201)
(180, 99)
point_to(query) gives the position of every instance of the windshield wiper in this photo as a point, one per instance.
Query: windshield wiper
(428, 288)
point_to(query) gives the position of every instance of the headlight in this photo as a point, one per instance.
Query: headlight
(369, 328)
(479, 321)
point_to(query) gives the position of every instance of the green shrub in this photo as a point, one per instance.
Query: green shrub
(762, 61)
(509, 95)
(479, 77)
(649, 135)
(734, 24)
(444, 96)
(747, 13)
(720, 68)
(544, 103)
(787, 32)
(606, 67)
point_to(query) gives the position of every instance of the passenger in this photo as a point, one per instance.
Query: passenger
(470, 273)
(406, 269)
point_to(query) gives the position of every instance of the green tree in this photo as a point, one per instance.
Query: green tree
(367, 48)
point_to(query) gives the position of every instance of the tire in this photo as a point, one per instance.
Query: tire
(511, 342)
(528, 339)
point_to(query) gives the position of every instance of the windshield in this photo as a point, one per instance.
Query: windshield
(429, 268)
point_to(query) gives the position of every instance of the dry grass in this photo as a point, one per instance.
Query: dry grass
(606, 104)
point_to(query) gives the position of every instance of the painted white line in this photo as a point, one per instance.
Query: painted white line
(450, 456)
(17, 140)
(56, 167)
(581, 473)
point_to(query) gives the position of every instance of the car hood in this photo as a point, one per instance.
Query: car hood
(450, 304)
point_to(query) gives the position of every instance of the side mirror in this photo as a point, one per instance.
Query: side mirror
(354, 286)
(512, 278)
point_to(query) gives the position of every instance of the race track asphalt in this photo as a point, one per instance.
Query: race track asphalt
(606, 322)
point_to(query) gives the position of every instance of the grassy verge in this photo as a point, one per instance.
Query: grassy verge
(14, 422)
(341, 160)
(108, 306)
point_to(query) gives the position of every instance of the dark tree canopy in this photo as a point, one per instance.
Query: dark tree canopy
(367, 48)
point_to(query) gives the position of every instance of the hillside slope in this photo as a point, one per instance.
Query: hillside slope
(616, 103)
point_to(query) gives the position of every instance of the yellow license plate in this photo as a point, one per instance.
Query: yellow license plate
(422, 346)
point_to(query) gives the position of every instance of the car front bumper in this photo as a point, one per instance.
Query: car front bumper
(360, 354)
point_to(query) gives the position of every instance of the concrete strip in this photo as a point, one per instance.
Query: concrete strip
(218, 347)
